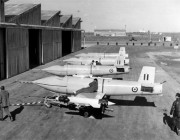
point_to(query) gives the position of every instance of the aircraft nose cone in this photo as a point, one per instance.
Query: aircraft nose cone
(70, 59)
(54, 69)
(47, 80)
(110, 103)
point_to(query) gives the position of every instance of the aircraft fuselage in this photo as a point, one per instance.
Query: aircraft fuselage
(111, 87)
(100, 55)
(86, 70)
(87, 61)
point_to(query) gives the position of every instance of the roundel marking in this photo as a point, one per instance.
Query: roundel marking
(134, 89)
(111, 70)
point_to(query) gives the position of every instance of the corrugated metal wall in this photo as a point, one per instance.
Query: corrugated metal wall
(76, 41)
(32, 17)
(52, 45)
(17, 51)
(57, 40)
(2, 54)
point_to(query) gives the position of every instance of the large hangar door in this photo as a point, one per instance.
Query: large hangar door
(66, 42)
(34, 48)
(2, 54)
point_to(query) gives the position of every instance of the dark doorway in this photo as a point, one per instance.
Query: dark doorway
(66, 42)
(2, 54)
(34, 48)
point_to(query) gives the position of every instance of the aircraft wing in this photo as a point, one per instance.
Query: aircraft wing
(89, 99)
(94, 95)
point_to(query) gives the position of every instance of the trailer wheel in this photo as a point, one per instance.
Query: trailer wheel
(86, 114)
(177, 131)
(48, 105)
(102, 109)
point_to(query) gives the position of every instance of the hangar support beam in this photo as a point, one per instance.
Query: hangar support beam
(2, 17)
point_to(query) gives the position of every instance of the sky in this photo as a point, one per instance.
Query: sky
(135, 15)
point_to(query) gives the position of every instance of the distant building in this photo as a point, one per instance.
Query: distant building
(110, 32)
(167, 39)
(142, 31)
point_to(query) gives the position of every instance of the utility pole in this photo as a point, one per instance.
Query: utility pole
(125, 28)
(2, 13)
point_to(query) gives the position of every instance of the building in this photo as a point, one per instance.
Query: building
(110, 32)
(167, 39)
(50, 18)
(23, 13)
(66, 22)
(76, 23)
(27, 40)
(23, 48)
(51, 39)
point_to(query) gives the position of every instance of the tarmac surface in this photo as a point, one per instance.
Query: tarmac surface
(134, 117)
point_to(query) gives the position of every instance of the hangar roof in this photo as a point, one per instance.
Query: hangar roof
(17, 9)
(47, 14)
(65, 18)
(75, 20)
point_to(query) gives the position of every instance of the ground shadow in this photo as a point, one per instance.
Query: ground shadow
(98, 116)
(95, 115)
(72, 113)
(167, 120)
(138, 101)
(16, 111)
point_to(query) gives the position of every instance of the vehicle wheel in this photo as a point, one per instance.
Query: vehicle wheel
(177, 131)
(48, 105)
(86, 114)
(102, 109)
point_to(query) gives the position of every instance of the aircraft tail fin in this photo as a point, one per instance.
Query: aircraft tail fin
(122, 50)
(147, 75)
(120, 61)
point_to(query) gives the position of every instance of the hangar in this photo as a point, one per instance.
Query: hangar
(23, 48)
(30, 37)
(66, 22)
(51, 39)
(76, 23)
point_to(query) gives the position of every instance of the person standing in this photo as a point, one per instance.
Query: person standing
(175, 112)
(1, 110)
(5, 102)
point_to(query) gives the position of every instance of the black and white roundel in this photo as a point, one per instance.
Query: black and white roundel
(134, 89)
(111, 70)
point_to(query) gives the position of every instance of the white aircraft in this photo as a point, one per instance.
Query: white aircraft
(122, 52)
(94, 70)
(68, 85)
(85, 103)
(102, 61)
